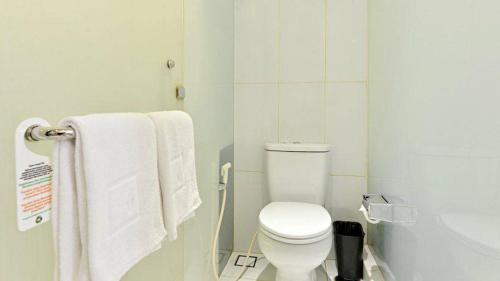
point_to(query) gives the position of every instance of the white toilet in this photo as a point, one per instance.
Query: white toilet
(295, 231)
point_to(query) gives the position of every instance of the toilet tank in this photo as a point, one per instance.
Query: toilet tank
(297, 172)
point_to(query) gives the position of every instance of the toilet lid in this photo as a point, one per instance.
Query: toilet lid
(295, 220)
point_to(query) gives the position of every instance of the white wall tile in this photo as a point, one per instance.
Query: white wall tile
(250, 196)
(346, 127)
(346, 40)
(302, 112)
(345, 198)
(256, 40)
(284, 41)
(302, 40)
(256, 122)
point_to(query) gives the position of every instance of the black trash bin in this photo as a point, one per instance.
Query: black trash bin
(349, 249)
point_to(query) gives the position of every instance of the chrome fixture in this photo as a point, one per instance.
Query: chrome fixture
(377, 208)
(39, 133)
(180, 93)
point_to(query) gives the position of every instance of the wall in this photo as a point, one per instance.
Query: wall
(208, 79)
(60, 58)
(300, 75)
(434, 136)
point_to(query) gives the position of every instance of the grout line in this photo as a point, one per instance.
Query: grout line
(278, 43)
(248, 171)
(325, 62)
(256, 82)
(278, 112)
(302, 82)
(330, 174)
(325, 41)
(347, 175)
(325, 117)
(235, 96)
(346, 81)
(367, 91)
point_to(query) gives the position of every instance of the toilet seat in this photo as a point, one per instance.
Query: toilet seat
(295, 241)
(295, 222)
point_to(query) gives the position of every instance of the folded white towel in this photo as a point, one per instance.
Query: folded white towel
(106, 198)
(176, 162)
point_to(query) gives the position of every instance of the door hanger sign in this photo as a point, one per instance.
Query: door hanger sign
(33, 180)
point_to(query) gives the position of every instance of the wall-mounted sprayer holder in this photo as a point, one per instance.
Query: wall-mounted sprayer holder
(377, 208)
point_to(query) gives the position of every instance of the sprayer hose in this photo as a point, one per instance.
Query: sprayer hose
(216, 238)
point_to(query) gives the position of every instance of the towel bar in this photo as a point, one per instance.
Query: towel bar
(39, 133)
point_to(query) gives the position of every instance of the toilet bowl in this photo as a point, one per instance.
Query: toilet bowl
(296, 238)
(295, 231)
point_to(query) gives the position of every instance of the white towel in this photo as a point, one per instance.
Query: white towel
(176, 162)
(106, 198)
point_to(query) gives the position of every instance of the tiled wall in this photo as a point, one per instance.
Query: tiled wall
(300, 75)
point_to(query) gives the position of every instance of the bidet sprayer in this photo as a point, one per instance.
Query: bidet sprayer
(224, 172)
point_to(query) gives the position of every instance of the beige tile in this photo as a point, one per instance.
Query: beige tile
(256, 40)
(302, 112)
(346, 40)
(256, 122)
(302, 45)
(346, 127)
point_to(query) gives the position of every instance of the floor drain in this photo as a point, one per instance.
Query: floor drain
(241, 259)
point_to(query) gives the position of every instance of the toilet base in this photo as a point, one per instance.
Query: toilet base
(282, 275)
(295, 262)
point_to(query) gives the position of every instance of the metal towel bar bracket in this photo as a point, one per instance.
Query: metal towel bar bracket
(39, 133)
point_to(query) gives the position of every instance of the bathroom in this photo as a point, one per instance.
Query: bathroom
(398, 99)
